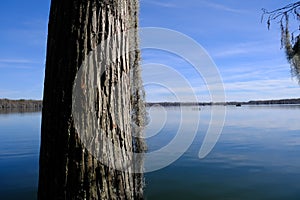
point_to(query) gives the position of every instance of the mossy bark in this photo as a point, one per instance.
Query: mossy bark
(112, 100)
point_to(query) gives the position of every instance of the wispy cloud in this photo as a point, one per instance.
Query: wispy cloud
(33, 93)
(243, 48)
(8, 93)
(162, 86)
(34, 23)
(221, 7)
(232, 52)
(244, 80)
(17, 61)
(255, 71)
(160, 3)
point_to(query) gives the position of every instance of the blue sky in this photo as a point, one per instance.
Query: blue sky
(247, 55)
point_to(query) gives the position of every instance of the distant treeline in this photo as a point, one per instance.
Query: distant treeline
(20, 104)
(236, 103)
(37, 104)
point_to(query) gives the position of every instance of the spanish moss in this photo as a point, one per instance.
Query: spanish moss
(290, 38)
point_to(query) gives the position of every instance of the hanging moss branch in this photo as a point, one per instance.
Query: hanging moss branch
(288, 40)
(281, 12)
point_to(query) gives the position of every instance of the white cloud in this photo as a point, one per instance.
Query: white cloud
(222, 7)
(8, 93)
(235, 91)
(35, 92)
(242, 83)
(159, 3)
(232, 50)
(256, 71)
(17, 61)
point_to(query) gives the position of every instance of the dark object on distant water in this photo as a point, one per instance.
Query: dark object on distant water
(196, 108)
(238, 105)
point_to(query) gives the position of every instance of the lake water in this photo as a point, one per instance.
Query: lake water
(19, 152)
(256, 157)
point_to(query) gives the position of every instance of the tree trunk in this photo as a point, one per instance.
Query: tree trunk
(93, 103)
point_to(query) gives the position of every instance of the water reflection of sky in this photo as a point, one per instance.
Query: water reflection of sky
(19, 152)
(268, 125)
(257, 156)
(258, 151)
(267, 117)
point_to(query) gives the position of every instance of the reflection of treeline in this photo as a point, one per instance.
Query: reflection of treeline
(173, 104)
(281, 101)
(21, 104)
(257, 102)
(19, 110)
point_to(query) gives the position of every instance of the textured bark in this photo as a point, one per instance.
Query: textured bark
(87, 140)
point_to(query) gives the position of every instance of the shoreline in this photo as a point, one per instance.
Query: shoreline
(230, 103)
(23, 105)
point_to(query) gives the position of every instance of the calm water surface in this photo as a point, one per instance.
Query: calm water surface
(19, 151)
(256, 157)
